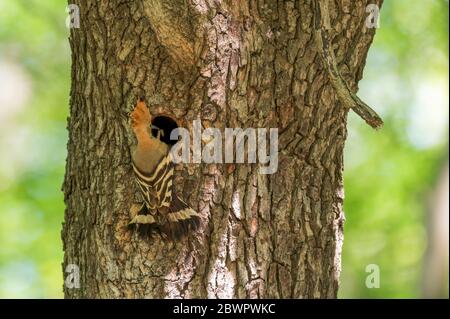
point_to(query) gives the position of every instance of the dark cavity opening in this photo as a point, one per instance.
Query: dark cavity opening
(165, 125)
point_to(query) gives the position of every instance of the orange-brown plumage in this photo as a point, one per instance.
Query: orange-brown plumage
(162, 210)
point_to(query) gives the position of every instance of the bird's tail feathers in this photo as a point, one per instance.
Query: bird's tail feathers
(174, 223)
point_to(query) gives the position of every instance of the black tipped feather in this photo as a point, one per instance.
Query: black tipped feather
(172, 230)
(164, 212)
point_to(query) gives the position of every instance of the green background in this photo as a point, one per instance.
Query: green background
(391, 175)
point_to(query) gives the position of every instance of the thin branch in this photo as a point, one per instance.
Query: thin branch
(345, 95)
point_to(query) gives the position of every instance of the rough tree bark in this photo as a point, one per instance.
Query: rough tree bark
(291, 65)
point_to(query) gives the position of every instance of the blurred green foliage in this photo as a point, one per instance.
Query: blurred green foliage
(389, 174)
(33, 138)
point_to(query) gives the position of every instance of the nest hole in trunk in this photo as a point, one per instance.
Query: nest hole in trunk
(165, 124)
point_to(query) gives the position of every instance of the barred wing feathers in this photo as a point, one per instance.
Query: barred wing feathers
(163, 210)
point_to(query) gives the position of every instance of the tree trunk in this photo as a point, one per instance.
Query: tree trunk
(248, 63)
